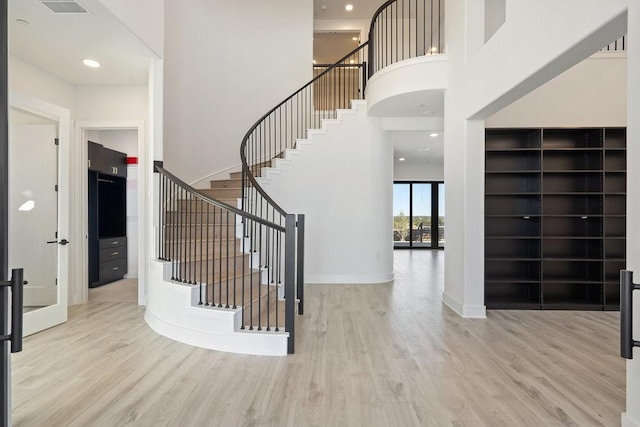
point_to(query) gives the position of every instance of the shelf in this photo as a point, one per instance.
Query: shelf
(509, 150)
(615, 138)
(513, 160)
(510, 172)
(512, 295)
(509, 304)
(572, 160)
(521, 193)
(512, 237)
(498, 139)
(565, 237)
(572, 138)
(555, 204)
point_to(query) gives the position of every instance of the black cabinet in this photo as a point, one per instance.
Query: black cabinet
(107, 215)
(555, 205)
(106, 161)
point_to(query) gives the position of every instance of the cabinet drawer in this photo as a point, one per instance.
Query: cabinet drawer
(109, 254)
(112, 243)
(112, 270)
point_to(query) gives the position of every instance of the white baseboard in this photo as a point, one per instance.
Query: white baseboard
(348, 279)
(627, 421)
(467, 311)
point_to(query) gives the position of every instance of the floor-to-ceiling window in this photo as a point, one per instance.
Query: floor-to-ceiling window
(418, 215)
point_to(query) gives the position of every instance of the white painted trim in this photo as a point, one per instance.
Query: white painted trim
(474, 311)
(173, 311)
(408, 62)
(452, 303)
(464, 310)
(80, 287)
(348, 279)
(627, 421)
(37, 320)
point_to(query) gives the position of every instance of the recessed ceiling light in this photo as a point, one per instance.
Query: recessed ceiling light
(433, 134)
(349, 7)
(22, 21)
(91, 63)
(424, 149)
(401, 159)
(355, 39)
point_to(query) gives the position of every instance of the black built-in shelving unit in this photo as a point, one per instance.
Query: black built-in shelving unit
(555, 204)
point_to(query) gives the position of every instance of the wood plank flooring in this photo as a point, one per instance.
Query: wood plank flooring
(368, 355)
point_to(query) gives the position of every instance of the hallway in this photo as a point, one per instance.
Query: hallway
(374, 355)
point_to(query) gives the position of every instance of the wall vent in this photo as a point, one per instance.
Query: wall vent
(63, 6)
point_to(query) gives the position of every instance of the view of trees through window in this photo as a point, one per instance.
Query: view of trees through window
(414, 214)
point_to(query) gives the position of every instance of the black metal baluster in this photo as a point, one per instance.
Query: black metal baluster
(439, 16)
(183, 214)
(201, 253)
(220, 263)
(207, 260)
(190, 248)
(267, 267)
(235, 256)
(300, 264)
(228, 253)
(176, 223)
(160, 195)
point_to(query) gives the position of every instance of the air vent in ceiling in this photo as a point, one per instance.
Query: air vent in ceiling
(63, 6)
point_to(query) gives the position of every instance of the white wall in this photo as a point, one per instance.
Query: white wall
(592, 93)
(145, 18)
(410, 171)
(226, 64)
(111, 103)
(27, 79)
(538, 41)
(361, 25)
(342, 182)
(632, 416)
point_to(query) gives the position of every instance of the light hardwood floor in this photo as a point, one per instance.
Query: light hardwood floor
(369, 355)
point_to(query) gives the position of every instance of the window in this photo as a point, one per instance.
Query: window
(418, 215)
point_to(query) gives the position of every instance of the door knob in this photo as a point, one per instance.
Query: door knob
(63, 242)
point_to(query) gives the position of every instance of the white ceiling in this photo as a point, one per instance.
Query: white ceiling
(58, 42)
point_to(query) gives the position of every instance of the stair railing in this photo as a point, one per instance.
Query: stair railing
(404, 29)
(204, 241)
(333, 87)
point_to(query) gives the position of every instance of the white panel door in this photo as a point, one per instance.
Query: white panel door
(33, 222)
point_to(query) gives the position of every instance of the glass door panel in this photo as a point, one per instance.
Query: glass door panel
(33, 211)
(421, 215)
(401, 215)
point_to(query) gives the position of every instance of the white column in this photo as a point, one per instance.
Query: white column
(632, 417)
(463, 169)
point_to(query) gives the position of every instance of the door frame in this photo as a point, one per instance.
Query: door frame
(80, 289)
(46, 317)
(435, 232)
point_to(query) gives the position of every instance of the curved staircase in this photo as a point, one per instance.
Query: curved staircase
(230, 269)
